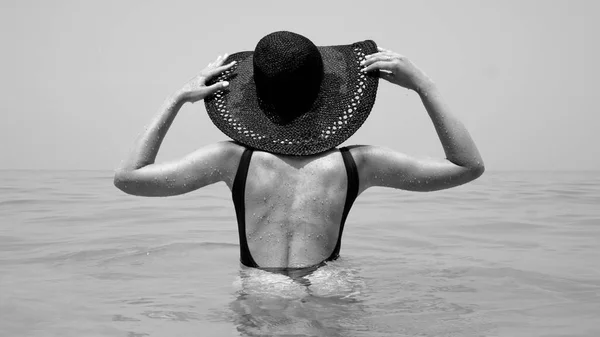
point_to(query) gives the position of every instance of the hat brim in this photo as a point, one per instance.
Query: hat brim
(344, 102)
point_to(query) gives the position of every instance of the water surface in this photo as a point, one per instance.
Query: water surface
(512, 254)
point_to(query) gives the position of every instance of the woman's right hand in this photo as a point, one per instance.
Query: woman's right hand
(396, 69)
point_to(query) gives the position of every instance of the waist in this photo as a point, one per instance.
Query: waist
(292, 272)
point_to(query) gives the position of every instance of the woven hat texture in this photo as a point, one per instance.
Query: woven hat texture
(291, 97)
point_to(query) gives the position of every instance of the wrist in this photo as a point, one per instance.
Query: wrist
(423, 85)
(173, 103)
(179, 97)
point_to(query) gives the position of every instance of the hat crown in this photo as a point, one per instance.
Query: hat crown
(288, 71)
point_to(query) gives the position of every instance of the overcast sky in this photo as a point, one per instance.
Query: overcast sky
(81, 79)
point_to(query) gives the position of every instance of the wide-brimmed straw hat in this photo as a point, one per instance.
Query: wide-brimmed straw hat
(291, 97)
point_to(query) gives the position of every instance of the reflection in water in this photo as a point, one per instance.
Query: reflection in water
(326, 302)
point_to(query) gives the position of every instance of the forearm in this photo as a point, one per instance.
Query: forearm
(456, 141)
(148, 143)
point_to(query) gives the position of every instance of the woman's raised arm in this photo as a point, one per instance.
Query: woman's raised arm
(384, 167)
(139, 175)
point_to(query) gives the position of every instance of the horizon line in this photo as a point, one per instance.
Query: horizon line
(487, 170)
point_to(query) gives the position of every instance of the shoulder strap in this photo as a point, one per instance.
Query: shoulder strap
(352, 173)
(351, 194)
(239, 183)
(238, 191)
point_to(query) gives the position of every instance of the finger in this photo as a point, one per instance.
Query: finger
(211, 89)
(383, 49)
(375, 54)
(218, 61)
(216, 71)
(212, 64)
(383, 56)
(386, 75)
(376, 58)
(379, 65)
(221, 60)
(385, 52)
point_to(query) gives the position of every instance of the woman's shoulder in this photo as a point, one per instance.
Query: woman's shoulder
(229, 147)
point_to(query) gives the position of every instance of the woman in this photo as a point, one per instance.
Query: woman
(287, 105)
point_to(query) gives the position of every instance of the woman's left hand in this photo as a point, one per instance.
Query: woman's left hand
(196, 88)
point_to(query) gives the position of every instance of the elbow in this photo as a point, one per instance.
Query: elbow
(128, 182)
(477, 170)
(120, 181)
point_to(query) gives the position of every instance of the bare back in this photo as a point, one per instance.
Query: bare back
(294, 207)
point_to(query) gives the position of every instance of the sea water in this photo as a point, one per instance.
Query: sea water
(511, 254)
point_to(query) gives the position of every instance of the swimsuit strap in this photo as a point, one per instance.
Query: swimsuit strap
(351, 194)
(238, 191)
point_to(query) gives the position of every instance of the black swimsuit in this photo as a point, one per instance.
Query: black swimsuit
(238, 192)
